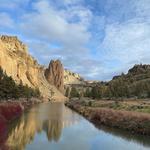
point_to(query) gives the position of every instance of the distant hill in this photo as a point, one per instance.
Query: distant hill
(138, 72)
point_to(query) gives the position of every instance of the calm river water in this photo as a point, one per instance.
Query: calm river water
(52, 126)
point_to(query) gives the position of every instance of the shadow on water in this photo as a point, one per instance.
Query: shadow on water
(50, 119)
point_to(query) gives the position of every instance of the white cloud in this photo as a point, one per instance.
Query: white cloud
(49, 24)
(78, 14)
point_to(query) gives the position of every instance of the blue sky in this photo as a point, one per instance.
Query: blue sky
(96, 38)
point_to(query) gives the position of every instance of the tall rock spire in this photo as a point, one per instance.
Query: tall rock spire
(55, 74)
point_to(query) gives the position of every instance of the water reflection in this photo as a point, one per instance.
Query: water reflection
(49, 118)
(53, 129)
(51, 126)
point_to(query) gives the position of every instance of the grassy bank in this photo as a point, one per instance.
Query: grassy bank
(112, 114)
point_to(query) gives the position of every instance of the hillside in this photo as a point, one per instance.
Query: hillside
(137, 73)
(17, 63)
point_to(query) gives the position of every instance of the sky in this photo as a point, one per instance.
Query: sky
(95, 38)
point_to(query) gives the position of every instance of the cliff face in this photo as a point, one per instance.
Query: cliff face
(55, 74)
(15, 60)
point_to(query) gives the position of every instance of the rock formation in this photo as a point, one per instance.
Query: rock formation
(139, 69)
(15, 60)
(72, 78)
(55, 74)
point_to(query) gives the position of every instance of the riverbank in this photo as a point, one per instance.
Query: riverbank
(117, 117)
(10, 110)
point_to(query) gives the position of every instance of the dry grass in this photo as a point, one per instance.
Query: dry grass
(128, 105)
(136, 122)
(133, 121)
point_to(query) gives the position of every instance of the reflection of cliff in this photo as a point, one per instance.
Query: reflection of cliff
(48, 118)
(53, 129)
(23, 132)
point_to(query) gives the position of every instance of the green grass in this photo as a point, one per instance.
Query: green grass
(120, 106)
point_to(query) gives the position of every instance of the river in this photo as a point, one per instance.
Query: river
(52, 126)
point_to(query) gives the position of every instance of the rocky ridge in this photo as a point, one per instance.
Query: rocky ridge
(138, 72)
(139, 69)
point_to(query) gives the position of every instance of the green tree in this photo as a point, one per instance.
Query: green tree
(95, 92)
(67, 92)
(87, 92)
(74, 92)
(1, 73)
(9, 89)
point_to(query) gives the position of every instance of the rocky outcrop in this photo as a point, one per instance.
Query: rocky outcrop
(72, 78)
(139, 69)
(15, 60)
(139, 72)
(55, 74)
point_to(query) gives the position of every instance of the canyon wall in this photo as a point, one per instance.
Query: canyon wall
(16, 62)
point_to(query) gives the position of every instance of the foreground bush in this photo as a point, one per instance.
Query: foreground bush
(10, 111)
(3, 129)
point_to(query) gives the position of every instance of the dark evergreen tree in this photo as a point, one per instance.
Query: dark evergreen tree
(95, 92)
(9, 89)
(67, 93)
(74, 92)
(87, 92)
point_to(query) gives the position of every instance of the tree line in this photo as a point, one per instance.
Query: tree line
(10, 90)
(118, 88)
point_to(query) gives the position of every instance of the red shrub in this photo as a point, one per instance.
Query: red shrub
(3, 129)
(10, 111)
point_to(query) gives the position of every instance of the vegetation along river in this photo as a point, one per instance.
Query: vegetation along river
(53, 126)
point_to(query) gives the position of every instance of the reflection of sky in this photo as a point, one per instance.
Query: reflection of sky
(83, 136)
